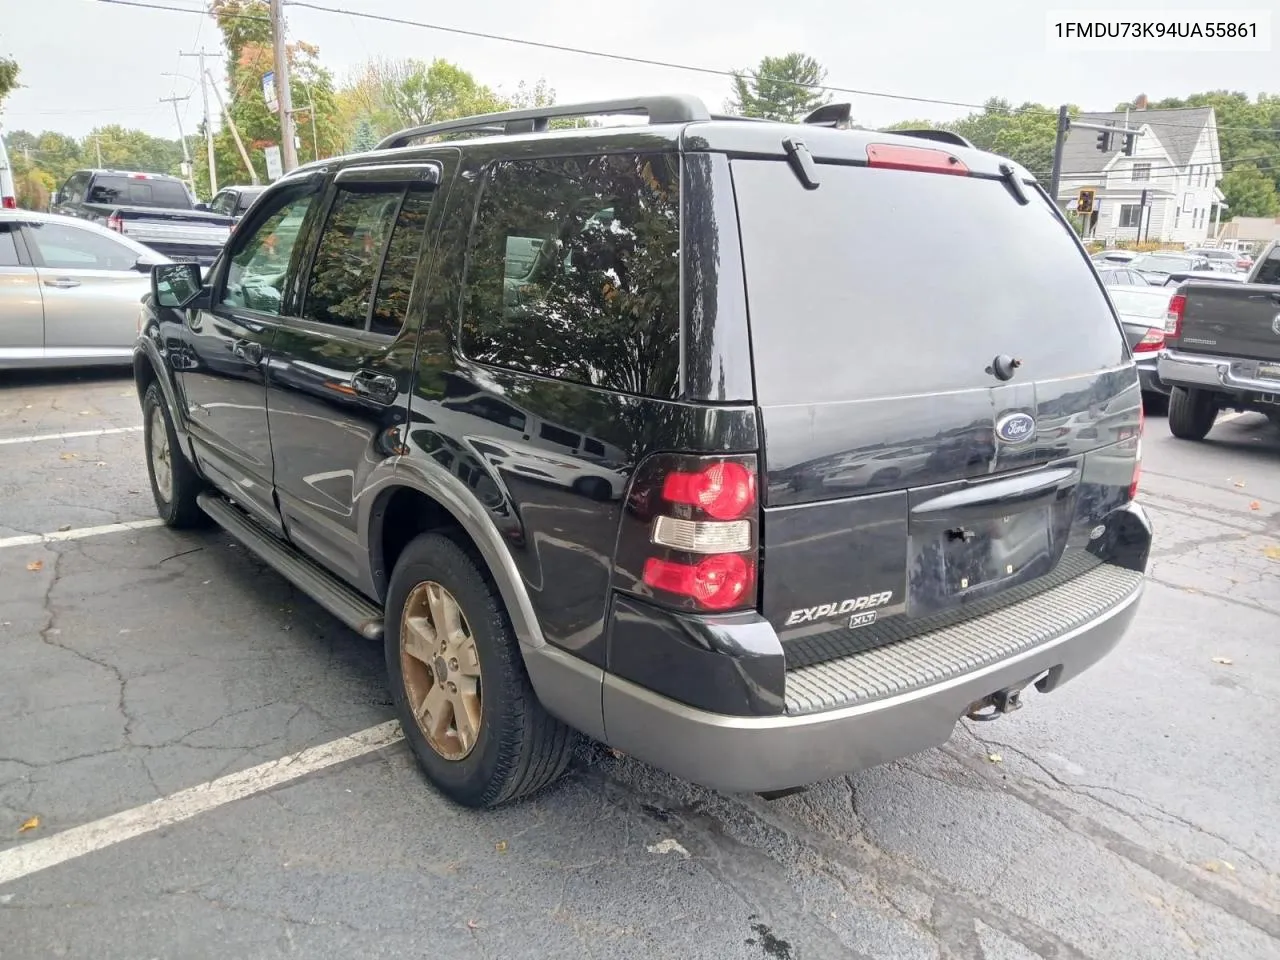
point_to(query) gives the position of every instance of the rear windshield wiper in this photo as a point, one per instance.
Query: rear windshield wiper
(1009, 177)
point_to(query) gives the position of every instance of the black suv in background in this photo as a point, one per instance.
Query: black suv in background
(633, 431)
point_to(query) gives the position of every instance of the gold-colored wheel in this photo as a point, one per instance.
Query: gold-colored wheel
(441, 670)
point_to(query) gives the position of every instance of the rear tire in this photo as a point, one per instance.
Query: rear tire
(511, 746)
(1191, 413)
(174, 482)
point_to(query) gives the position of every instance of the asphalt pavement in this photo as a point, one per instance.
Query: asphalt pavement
(1135, 813)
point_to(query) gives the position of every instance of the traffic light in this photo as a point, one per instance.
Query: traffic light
(1084, 202)
(1128, 144)
(1104, 141)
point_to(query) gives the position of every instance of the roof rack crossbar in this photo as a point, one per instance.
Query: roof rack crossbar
(663, 109)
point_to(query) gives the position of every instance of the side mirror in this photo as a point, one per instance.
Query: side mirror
(175, 285)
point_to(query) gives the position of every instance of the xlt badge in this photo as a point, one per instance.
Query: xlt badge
(852, 605)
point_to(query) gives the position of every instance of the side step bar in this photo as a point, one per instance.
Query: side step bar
(353, 609)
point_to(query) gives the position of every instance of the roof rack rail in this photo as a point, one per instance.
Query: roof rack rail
(662, 109)
(941, 136)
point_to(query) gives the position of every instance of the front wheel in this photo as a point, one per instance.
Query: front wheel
(1191, 413)
(459, 684)
(174, 482)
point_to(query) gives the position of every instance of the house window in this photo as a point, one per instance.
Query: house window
(1141, 171)
(1130, 215)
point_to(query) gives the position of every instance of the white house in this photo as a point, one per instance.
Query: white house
(1177, 162)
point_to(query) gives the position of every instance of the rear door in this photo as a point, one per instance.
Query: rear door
(91, 288)
(341, 363)
(21, 305)
(927, 419)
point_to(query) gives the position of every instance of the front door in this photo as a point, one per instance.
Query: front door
(226, 349)
(340, 372)
(91, 287)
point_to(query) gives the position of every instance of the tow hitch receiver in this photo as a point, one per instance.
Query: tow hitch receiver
(996, 705)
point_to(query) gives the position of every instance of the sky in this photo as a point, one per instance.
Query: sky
(87, 62)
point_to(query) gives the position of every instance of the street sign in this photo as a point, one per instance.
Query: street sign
(275, 169)
(1084, 201)
(269, 91)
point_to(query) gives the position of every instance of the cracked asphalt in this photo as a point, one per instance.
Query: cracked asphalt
(1135, 813)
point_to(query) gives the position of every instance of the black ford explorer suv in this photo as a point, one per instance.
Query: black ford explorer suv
(633, 431)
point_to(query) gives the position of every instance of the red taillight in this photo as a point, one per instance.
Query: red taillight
(690, 533)
(1152, 340)
(139, 176)
(1173, 319)
(894, 157)
(724, 490)
(9, 203)
(1137, 456)
(719, 582)
(115, 223)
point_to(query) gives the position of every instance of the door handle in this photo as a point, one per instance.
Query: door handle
(250, 351)
(379, 387)
(62, 283)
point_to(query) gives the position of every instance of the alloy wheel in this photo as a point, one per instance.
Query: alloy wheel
(441, 669)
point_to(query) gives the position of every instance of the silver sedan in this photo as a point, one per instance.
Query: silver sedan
(69, 291)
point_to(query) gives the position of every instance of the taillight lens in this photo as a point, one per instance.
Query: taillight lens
(1152, 340)
(1173, 319)
(1137, 455)
(891, 156)
(9, 203)
(115, 223)
(723, 490)
(689, 536)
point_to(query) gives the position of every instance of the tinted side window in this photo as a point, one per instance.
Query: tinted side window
(60, 246)
(260, 257)
(222, 203)
(340, 288)
(8, 247)
(138, 192)
(73, 192)
(574, 271)
(1269, 272)
(395, 283)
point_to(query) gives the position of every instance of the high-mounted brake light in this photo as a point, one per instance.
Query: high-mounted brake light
(894, 157)
(139, 176)
(690, 533)
(1173, 319)
(1153, 339)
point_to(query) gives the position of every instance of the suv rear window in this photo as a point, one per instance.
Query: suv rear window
(135, 192)
(888, 283)
(574, 271)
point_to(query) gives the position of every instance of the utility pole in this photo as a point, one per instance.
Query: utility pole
(1055, 179)
(244, 154)
(208, 123)
(97, 142)
(288, 148)
(182, 137)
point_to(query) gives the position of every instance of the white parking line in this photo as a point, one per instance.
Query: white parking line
(41, 854)
(69, 436)
(27, 539)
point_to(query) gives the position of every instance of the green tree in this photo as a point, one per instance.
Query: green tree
(8, 76)
(780, 88)
(1250, 192)
(123, 149)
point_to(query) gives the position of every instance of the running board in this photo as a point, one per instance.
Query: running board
(353, 609)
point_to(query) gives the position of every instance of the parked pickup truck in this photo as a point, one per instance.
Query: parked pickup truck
(1222, 349)
(151, 208)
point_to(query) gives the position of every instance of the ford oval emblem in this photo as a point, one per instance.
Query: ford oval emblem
(1016, 427)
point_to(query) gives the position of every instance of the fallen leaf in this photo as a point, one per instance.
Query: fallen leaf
(64, 528)
(29, 825)
(617, 754)
(995, 758)
(1255, 505)
(68, 456)
(473, 925)
(86, 413)
(1240, 483)
(1216, 866)
(1225, 661)
(668, 846)
(1271, 553)
(35, 565)
(501, 846)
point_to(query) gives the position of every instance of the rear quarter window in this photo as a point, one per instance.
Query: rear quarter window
(898, 283)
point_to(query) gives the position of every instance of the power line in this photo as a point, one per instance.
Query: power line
(201, 12)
